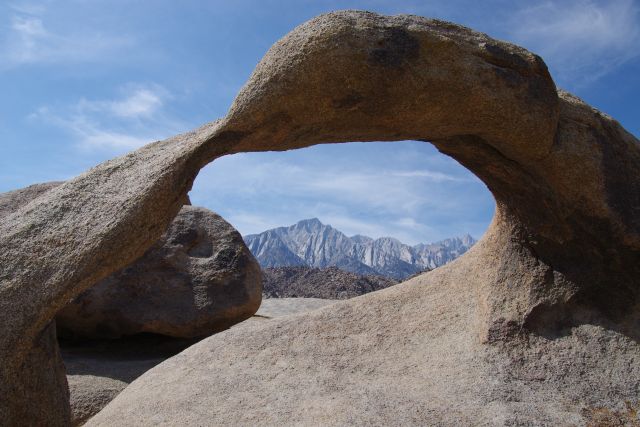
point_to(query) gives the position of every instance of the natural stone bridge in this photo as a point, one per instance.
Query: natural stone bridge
(557, 274)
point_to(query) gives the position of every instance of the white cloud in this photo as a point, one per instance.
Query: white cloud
(251, 223)
(410, 232)
(380, 191)
(383, 190)
(259, 191)
(138, 103)
(581, 40)
(129, 122)
(407, 230)
(28, 27)
(30, 41)
(433, 176)
(143, 102)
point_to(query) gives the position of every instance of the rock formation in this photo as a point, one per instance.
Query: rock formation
(97, 371)
(43, 369)
(199, 278)
(279, 307)
(13, 200)
(536, 324)
(325, 283)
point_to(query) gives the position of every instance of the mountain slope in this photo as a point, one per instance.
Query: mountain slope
(272, 251)
(314, 244)
(326, 283)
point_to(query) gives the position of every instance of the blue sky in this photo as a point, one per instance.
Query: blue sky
(83, 81)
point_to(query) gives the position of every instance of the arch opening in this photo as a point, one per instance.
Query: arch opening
(405, 190)
(563, 246)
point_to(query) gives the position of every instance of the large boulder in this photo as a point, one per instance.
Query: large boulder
(405, 355)
(542, 310)
(199, 278)
(97, 371)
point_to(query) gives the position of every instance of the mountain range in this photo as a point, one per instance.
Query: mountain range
(313, 244)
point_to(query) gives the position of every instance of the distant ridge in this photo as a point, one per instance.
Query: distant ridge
(325, 283)
(313, 244)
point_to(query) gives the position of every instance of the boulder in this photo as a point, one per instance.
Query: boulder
(89, 394)
(536, 324)
(405, 355)
(199, 278)
(64, 241)
(97, 371)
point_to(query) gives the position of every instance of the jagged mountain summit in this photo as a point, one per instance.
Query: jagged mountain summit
(314, 244)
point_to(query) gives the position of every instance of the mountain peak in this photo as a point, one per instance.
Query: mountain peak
(310, 242)
(468, 239)
(310, 221)
(310, 225)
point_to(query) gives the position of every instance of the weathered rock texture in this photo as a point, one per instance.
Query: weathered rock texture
(13, 200)
(406, 355)
(97, 371)
(279, 307)
(325, 283)
(42, 369)
(537, 322)
(199, 278)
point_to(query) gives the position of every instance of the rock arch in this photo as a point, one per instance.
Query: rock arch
(563, 248)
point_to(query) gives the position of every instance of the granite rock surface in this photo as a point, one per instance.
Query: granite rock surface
(197, 279)
(536, 324)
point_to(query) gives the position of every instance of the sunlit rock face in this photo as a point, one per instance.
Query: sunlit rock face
(536, 324)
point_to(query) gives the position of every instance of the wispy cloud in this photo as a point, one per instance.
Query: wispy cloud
(383, 190)
(120, 124)
(406, 230)
(257, 191)
(254, 223)
(28, 7)
(139, 102)
(429, 175)
(581, 40)
(29, 40)
(88, 132)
